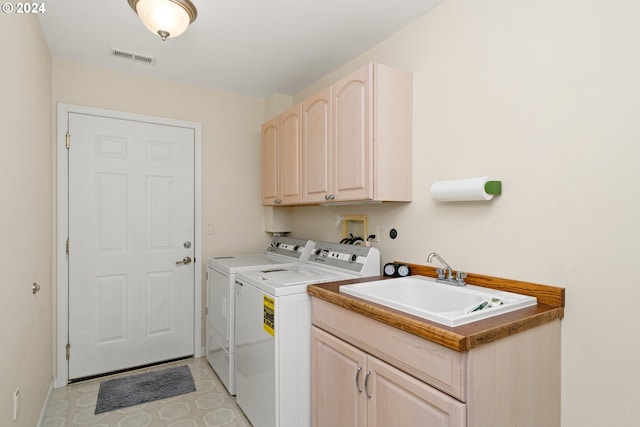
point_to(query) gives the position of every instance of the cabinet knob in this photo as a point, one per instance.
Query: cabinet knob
(277, 201)
(327, 196)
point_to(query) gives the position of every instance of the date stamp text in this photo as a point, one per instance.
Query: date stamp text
(23, 8)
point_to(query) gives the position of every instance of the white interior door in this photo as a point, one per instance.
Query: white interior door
(131, 218)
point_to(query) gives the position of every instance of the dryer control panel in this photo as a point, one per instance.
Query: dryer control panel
(296, 249)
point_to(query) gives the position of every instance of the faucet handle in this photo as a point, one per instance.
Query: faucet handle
(441, 273)
(460, 276)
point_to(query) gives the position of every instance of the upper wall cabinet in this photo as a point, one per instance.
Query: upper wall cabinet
(281, 159)
(317, 179)
(356, 140)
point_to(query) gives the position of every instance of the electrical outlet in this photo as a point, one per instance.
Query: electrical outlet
(375, 230)
(16, 400)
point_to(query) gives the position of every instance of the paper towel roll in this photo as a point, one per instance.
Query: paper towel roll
(461, 190)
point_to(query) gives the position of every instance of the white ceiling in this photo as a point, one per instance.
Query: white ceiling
(248, 47)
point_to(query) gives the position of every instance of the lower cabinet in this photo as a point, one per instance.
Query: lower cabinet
(353, 388)
(368, 373)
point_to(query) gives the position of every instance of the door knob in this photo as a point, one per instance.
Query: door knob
(186, 260)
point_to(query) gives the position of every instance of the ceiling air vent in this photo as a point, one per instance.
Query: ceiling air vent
(132, 56)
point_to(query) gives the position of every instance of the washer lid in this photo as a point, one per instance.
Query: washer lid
(290, 280)
(297, 275)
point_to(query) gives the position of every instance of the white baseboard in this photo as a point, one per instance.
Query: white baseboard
(45, 405)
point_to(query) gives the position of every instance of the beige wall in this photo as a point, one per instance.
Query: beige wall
(544, 95)
(25, 218)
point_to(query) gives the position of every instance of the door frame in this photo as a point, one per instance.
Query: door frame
(62, 312)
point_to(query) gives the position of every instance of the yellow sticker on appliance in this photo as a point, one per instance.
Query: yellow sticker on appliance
(269, 321)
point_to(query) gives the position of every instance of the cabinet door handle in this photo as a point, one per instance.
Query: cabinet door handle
(357, 382)
(366, 384)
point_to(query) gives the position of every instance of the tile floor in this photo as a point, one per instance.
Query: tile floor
(209, 406)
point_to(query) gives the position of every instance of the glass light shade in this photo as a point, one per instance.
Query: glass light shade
(167, 18)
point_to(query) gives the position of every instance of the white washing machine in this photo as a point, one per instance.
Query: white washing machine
(273, 332)
(221, 271)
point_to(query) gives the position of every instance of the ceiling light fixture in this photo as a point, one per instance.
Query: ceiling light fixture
(167, 18)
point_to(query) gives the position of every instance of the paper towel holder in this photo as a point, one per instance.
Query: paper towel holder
(469, 189)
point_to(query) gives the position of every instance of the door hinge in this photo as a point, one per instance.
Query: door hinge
(66, 246)
(206, 311)
(68, 351)
(68, 142)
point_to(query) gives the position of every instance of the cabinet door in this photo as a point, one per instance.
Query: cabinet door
(337, 391)
(352, 136)
(290, 156)
(270, 190)
(316, 148)
(398, 399)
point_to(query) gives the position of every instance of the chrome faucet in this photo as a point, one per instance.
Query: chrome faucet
(440, 271)
(445, 275)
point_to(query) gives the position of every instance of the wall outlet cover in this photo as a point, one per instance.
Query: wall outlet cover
(16, 401)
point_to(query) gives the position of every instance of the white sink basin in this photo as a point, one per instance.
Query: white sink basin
(445, 304)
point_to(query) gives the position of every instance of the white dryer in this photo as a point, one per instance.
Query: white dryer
(221, 271)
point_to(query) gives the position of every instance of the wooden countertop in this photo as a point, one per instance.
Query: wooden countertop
(551, 302)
